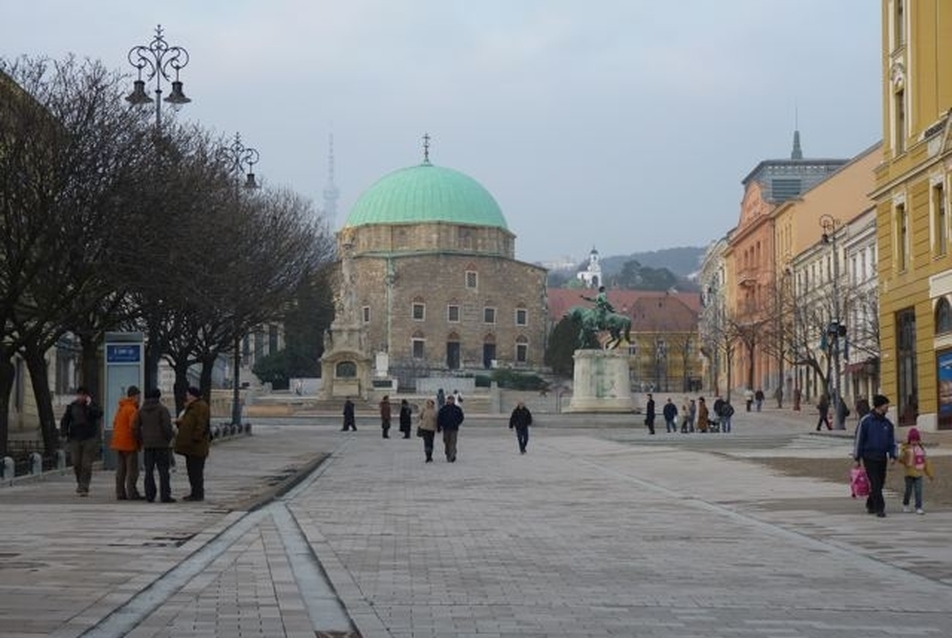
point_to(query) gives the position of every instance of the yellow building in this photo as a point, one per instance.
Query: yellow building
(912, 211)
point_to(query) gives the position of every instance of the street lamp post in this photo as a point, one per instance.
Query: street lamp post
(158, 61)
(239, 160)
(835, 330)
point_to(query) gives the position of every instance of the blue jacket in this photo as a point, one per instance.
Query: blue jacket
(875, 438)
(449, 417)
(669, 411)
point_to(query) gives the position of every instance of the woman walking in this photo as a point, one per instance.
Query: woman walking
(385, 415)
(428, 428)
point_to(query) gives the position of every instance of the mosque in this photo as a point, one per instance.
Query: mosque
(431, 279)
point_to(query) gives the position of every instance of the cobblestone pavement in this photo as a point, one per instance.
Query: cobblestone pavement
(599, 531)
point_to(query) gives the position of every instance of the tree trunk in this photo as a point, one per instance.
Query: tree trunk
(91, 366)
(205, 385)
(7, 379)
(181, 383)
(39, 379)
(153, 356)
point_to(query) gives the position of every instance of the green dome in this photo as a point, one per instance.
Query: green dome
(426, 193)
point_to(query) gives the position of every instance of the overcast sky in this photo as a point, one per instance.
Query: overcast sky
(623, 124)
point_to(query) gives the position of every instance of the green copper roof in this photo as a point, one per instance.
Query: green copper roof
(426, 193)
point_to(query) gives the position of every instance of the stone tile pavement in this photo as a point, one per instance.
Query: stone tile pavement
(596, 532)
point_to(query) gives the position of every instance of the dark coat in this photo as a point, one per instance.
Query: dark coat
(650, 412)
(450, 417)
(669, 411)
(80, 422)
(153, 425)
(194, 430)
(520, 417)
(875, 438)
(406, 417)
(349, 418)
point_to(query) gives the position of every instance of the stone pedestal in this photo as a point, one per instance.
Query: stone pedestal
(345, 366)
(601, 382)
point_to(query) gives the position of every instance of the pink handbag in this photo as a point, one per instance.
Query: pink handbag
(859, 482)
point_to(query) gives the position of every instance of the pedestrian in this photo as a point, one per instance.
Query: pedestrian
(842, 412)
(440, 398)
(194, 434)
(875, 441)
(650, 414)
(912, 455)
(448, 420)
(520, 420)
(153, 426)
(670, 413)
(749, 398)
(350, 420)
(702, 415)
(759, 398)
(823, 407)
(385, 415)
(714, 419)
(406, 418)
(80, 426)
(778, 395)
(458, 397)
(126, 446)
(724, 420)
(691, 415)
(428, 428)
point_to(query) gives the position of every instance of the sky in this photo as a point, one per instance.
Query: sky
(626, 125)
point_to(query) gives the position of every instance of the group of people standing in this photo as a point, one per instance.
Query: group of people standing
(140, 427)
(694, 416)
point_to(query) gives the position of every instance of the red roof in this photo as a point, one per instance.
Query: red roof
(627, 302)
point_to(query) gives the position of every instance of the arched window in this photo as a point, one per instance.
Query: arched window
(943, 316)
(346, 370)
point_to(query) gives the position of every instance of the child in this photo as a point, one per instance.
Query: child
(913, 456)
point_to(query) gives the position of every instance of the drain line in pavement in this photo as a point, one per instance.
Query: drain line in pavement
(126, 617)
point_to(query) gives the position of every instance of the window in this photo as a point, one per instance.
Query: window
(863, 275)
(419, 311)
(943, 316)
(522, 317)
(522, 350)
(899, 120)
(899, 24)
(346, 370)
(417, 341)
(365, 312)
(902, 238)
(489, 315)
(471, 279)
(941, 223)
(453, 351)
(907, 400)
(464, 238)
(452, 313)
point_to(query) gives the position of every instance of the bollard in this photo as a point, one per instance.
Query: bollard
(60, 459)
(36, 463)
(7, 468)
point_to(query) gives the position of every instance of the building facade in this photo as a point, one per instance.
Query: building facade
(437, 286)
(912, 211)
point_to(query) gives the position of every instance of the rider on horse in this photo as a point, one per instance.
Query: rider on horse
(602, 306)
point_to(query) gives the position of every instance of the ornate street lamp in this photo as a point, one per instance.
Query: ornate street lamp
(158, 61)
(239, 160)
(835, 330)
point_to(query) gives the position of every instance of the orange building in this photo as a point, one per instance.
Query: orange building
(751, 257)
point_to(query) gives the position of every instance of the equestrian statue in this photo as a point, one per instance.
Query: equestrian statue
(602, 317)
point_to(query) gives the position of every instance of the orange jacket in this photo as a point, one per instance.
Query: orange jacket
(123, 436)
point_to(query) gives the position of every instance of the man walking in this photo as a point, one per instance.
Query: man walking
(153, 426)
(126, 446)
(520, 420)
(80, 426)
(650, 414)
(448, 420)
(875, 441)
(670, 413)
(350, 420)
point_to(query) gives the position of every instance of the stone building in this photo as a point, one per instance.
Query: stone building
(437, 287)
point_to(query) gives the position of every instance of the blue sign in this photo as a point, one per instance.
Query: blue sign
(123, 353)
